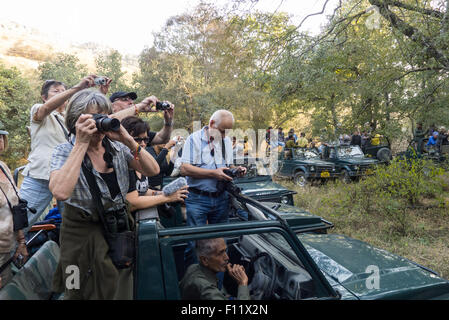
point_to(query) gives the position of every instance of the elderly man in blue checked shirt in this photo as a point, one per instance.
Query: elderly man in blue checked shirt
(206, 153)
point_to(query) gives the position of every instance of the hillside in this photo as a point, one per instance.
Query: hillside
(25, 48)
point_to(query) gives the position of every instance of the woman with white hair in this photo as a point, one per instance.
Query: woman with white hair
(105, 157)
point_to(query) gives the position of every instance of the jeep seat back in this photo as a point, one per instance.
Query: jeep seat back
(34, 280)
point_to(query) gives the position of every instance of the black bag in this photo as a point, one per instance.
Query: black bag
(122, 245)
(20, 215)
(122, 249)
(166, 210)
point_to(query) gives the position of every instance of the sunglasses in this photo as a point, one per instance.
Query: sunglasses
(138, 140)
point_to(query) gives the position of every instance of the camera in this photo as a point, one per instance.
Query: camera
(20, 214)
(233, 173)
(229, 186)
(100, 81)
(162, 105)
(104, 123)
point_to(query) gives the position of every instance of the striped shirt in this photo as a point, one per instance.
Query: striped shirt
(81, 197)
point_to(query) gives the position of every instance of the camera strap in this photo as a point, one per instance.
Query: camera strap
(12, 184)
(7, 200)
(95, 192)
(66, 134)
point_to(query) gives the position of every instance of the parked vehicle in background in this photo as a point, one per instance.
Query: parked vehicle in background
(380, 151)
(350, 161)
(305, 166)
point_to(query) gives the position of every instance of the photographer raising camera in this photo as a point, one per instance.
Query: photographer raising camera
(206, 155)
(90, 175)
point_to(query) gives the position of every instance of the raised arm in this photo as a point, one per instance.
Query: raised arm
(63, 181)
(58, 100)
(143, 161)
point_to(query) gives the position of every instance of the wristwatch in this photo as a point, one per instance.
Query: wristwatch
(168, 124)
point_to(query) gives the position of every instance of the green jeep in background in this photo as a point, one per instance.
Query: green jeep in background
(304, 166)
(350, 161)
(258, 182)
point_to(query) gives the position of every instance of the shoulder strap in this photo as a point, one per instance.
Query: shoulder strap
(12, 184)
(66, 134)
(7, 200)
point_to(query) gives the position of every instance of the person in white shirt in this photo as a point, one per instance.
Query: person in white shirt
(47, 130)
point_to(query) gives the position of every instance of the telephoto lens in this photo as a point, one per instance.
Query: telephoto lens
(162, 105)
(104, 123)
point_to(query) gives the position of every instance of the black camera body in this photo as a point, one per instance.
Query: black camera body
(229, 186)
(104, 123)
(162, 106)
(20, 215)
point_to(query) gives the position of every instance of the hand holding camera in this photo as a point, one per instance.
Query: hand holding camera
(104, 83)
(220, 174)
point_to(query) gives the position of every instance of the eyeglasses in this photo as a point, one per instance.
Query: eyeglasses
(146, 140)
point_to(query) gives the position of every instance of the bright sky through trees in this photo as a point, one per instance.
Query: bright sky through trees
(128, 25)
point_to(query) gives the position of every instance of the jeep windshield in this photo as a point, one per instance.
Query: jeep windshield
(349, 152)
(306, 154)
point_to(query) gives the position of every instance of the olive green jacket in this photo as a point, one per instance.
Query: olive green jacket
(200, 283)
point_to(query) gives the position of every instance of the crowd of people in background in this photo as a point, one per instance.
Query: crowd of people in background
(425, 140)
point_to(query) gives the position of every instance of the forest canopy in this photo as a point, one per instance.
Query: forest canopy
(381, 64)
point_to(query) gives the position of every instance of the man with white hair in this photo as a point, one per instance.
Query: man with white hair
(206, 154)
(200, 281)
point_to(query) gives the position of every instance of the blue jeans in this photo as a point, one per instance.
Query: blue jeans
(38, 195)
(201, 210)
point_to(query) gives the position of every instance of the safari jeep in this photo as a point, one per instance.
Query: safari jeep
(258, 183)
(305, 166)
(285, 258)
(285, 253)
(350, 161)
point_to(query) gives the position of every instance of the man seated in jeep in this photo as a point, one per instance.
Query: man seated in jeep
(200, 281)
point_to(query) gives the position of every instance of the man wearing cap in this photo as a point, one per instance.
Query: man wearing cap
(123, 106)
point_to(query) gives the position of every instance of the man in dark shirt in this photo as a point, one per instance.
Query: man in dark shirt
(200, 281)
(356, 139)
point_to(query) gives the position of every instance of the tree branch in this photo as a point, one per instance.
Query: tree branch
(411, 32)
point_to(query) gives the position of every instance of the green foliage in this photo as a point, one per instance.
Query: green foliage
(206, 60)
(110, 65)
(392, 191)
(16, 99)
(65, 68)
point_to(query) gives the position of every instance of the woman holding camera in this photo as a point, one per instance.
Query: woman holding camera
(141, 195)
(8, 199)
(47, 130)
(106, 156)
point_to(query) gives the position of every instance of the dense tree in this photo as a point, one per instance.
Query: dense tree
(109, 64)
(16, 98)
(65, 68)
